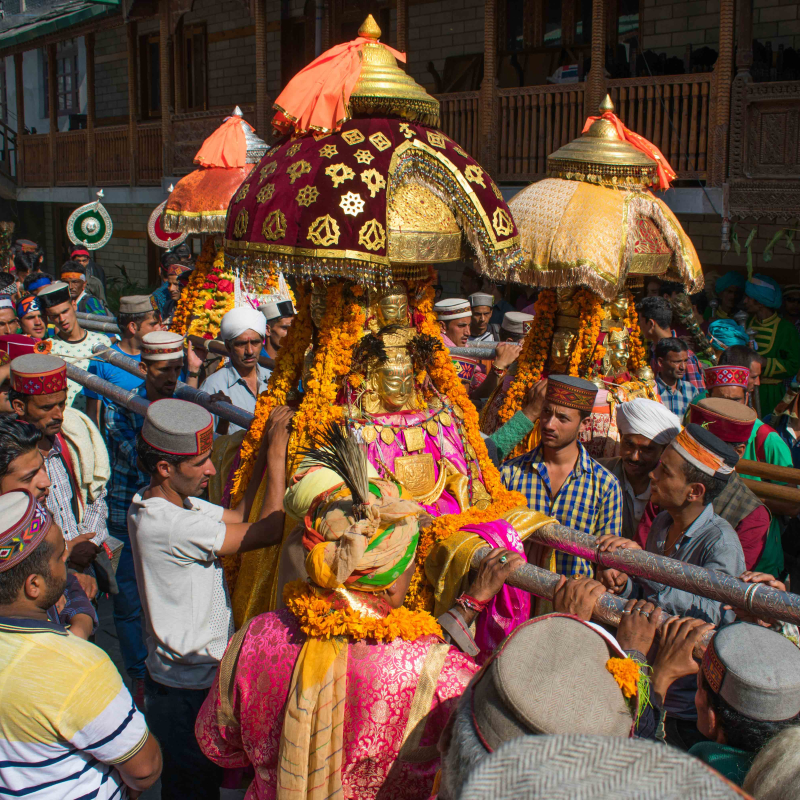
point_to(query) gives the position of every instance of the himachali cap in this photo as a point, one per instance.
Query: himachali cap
(54, 294)
(705, 451)
(38, 374)
(517, 322)
(454, 308)
(17, 344)
(481, 299)
(179, 428)
(27, 246)
(726, 376)
(6, 302)
(755, 670)
(25, 524)
(162, 346)
(177, 268)
(277, 309)
(137, 304)
(28, 305)
(564, 390)
(730, 421)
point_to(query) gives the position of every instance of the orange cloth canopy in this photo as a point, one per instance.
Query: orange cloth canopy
(226, 147)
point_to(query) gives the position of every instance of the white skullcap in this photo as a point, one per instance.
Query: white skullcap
(648, 418)
(453, 308)
(239, 320)
(481, 299)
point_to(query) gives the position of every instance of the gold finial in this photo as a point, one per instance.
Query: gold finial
(369, 28)
(606, 105)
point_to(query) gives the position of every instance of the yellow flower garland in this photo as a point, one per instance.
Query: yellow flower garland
(217, 291)
(638, 357)
(318, 619)
(626, 674)
(591, 311)
(186, 302)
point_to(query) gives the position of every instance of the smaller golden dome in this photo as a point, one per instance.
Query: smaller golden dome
(384, 89)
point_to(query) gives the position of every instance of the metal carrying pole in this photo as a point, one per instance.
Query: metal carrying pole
(83, 315)
(542, 583)
(123, 397)
(100, 327)
(227, 411)
(479, 351)
(762, 600)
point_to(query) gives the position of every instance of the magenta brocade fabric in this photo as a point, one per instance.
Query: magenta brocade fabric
(381, 682)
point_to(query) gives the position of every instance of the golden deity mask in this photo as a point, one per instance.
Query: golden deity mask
(393, 307)
(563, 339)
(390, 385)
(617, 353)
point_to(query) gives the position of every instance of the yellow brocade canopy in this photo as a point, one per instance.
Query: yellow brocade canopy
(572, 232)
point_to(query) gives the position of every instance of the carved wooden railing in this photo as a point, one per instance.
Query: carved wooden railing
(35, 159)
(71, 159)
(458, 113)
(673, 112)
(191, 128)
(8, 151)
(150, 154)
(112, 156)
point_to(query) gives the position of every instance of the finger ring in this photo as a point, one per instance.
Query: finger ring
(626, 611)
(644, 613)
(503, 559)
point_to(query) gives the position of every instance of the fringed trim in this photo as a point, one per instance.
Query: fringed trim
(630, 181)
(556, 276)
(421, 111)
(175, 222)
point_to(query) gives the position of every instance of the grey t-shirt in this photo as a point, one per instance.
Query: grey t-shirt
(181, 583)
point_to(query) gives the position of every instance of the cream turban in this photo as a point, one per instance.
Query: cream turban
(239, 320)
(648, 418)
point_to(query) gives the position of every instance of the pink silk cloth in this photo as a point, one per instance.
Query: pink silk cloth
(381, 682)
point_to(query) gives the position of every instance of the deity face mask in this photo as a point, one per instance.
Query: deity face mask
(617, 353)
(318, 304)
(560, 347)
(619, 307)
(395, 383)
(393, 308)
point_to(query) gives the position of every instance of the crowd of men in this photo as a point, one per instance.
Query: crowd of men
(96, 499)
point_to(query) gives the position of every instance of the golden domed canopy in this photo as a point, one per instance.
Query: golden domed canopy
(601, 156)
(383, 88)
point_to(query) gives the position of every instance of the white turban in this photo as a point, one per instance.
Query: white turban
(239, 320)
(648, 418)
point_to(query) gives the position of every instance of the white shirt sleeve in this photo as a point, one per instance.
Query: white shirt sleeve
(199, 534)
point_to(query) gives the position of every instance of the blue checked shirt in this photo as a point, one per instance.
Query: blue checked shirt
(678, 398)
(590, 500)
(122, 428)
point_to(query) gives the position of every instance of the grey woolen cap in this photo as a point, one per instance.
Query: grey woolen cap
(177, 427)
(580, 767)
(755, 670)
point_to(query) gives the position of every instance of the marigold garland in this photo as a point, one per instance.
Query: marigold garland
(284, 378)
(532, 359)
(213, 301)
(186, 302)
(318, 619)
(638, 357)
(587, 347)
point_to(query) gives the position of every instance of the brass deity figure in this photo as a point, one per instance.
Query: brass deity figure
(615, 360)
(390, 385)
(560, 348)
(393, 307)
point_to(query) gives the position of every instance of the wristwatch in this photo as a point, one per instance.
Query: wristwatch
(192, 374)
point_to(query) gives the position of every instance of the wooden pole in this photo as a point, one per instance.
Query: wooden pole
(18, 79)
(133, 103)
(52, 108)
(768, 472)
(402, 26)
(723, 78)
(744, 36)
(177, 63)
(596, 79)
(261, 67)
(488, 93)
(90, 110)
(165, 74)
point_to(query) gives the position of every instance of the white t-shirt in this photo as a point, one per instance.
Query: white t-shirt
(185, 600)
(79, 354)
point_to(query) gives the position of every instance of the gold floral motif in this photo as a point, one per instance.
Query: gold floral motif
(461, 152)
(265, 193)
(307, 195)
(352, 204)
(297, 169)
(364, 157)
(293, 150)
(380, 142)
(372, 235)
(242, 193)
(240, 226)
(329, 151)
(407, 131)
(274, 226)
(437, 139)
(268, 169)
(496, 189)
(353, 137)
(474, 174)
(339, 173)
(501, 222)
(324, 231)
(374, 180)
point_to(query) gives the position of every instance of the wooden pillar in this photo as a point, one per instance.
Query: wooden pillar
(744, 36)
(402, 26)
(721, 101)
(18, 79)
(177, 61)
(488, 94)
(165, 76)
(595, 89)
(261, 68)
(90, 110)
(52, 108)
(133, 101)
(568, 20)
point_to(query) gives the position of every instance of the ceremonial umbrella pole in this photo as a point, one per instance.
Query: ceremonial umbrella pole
(226, 411)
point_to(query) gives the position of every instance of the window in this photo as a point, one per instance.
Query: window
(195, 67)
(3, 92)
(149, 76)
(67, 80)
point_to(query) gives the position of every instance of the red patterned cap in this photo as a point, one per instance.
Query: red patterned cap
(726, 376)
(564, 390)
(26, 524)
(38, 374)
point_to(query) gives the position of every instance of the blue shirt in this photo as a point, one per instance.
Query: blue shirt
(590, 500)
(113, 374)
(678, 398)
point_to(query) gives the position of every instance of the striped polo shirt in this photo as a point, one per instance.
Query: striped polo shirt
(65, 716)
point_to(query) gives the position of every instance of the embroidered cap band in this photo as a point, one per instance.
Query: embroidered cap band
(517, 322)
(177, 427)
(25, 525)
(454, 308)
(564, 390)
(162, 346)
(726, 376)
(705, 451)
(38, 374)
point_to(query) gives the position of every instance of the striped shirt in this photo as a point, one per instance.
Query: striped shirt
(677, 398)
(65, 716)
(590, 500)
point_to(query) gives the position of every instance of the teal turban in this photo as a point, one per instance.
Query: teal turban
(727, 280)
(764, 290)
(725, 333)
